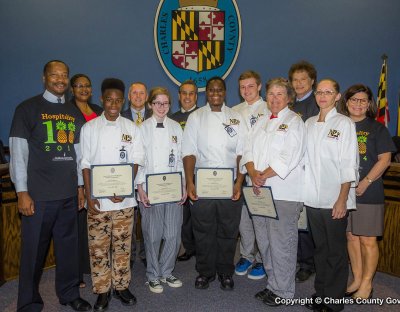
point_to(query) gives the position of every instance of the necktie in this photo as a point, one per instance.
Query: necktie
(59, 100)
(139, 118)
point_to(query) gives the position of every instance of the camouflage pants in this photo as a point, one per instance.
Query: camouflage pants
(110, 235)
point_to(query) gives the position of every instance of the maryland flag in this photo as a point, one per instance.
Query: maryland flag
(383, 109)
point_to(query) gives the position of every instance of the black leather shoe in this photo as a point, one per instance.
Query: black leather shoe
(261, 295)
(226, 281)
(203, 282)
(302, 275)
(312, 305)
(323, 308)
(185, 256)
(271, 300)
(79, 305)
(144, 261)
(125, 296)
(102, 301)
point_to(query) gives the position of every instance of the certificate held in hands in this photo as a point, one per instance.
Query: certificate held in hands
(261, 205)
(214, 183)
(111, 180)
(164, 188)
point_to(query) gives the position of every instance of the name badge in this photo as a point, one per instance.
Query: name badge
(253, 121)
(123, 155)
(171, 159)
(230, 130)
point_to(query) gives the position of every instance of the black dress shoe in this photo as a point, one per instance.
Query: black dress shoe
(79, 305)
(125, 296)
(261, 295)
(302, 275)
(271, 300)
(323, 308)
(185, 256)
(202, 282)
(350, 293)
(102, 301)
(312, 305)
(226, 281)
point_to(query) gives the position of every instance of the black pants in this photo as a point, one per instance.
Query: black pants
(52, 219)
(305, 250)
(331, 260)
(84, 263)
(215, 228)
(187, 229)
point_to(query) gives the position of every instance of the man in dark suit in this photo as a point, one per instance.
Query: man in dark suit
(137, 111)
(43, 167)
(187, 101)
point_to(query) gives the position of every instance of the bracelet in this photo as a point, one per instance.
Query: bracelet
(368, 179)
(80, 186)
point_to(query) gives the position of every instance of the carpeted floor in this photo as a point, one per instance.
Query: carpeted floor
(188, 298)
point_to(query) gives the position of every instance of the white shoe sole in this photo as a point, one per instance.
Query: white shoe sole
(241, 273)
(175, 285)
(254, 278)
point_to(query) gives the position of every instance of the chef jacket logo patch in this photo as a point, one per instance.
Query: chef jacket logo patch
(126, 138)
(197, 39)
(334, 134)
(174, 139)
(283, 127)
(233, 121)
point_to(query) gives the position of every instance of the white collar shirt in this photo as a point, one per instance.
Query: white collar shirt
(101, 142)
(331, 160)
(215, 138)
(159, 144)
(279, 143)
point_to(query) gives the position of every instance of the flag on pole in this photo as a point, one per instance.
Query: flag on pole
(383, 109)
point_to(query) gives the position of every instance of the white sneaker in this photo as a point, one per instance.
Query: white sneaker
(172, 281)
(155, 286)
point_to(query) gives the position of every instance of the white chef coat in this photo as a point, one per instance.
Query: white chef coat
(101, 142)
(251, 113)
(206, 137)
(331, 160)
(159, 143)
(279, 143)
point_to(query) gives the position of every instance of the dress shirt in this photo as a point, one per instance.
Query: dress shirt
(331, 160)
(101, 142)
(279, 143)
(134, 114)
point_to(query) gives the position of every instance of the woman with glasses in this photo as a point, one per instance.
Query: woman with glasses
(81, 89)
(274, 157)
(213, 138)
(331, 171)
(366, 223)
(162, 139)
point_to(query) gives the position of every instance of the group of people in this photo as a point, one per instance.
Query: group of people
(317, 150)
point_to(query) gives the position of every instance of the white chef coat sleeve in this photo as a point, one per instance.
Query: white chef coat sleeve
(189, 140)
(349, 160)
(138, 146)
(247, 155)
(292, 150)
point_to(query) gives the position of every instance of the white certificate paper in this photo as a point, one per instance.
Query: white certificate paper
(261, 205)
(164, 188)
(214, 183)
(112, 180)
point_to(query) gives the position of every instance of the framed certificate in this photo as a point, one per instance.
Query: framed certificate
(302, 223)
(214, 183)
(111, 180)
(261, 205)
(164, 188)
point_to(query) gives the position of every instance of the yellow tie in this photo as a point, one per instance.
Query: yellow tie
(139, 118)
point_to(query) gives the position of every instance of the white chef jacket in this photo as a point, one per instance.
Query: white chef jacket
(159, 143)
(206, 137)
(101, 142)
(251, 113)
(331, 160)
(279, 143)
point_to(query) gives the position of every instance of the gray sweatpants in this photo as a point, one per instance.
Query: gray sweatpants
(277, 242)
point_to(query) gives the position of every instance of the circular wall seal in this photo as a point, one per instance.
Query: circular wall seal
(197, 39)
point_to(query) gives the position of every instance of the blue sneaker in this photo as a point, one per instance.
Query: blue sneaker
(257, 272)
(242, 266)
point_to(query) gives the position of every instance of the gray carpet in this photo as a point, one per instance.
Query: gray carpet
(188, 298)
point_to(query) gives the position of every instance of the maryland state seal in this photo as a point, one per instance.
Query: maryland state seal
(197, 39)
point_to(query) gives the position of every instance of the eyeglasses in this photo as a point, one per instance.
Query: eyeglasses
(80, 86)
(160, 104)
(326, 93)
(363, 102)
(114, 101)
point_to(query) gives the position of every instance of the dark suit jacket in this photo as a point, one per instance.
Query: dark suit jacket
(128, 113)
